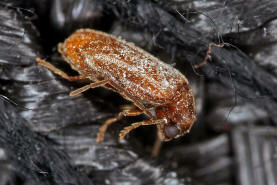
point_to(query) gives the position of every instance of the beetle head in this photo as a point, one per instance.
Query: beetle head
(178, 116)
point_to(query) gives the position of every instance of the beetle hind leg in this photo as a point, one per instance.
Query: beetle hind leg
(58, 71)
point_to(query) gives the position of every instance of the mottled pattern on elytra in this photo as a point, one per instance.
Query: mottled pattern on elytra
(102, 56)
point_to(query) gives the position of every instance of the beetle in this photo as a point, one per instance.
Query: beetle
(156, 89)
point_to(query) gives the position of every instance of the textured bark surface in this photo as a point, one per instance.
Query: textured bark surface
(48, 137)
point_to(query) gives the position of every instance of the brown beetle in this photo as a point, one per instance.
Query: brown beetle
(156, 88)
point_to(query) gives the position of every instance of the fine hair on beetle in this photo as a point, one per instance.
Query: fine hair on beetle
(155, 88)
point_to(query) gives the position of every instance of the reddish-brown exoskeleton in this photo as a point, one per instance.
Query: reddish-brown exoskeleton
(156, 89)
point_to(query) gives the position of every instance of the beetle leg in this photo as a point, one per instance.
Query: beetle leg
(133, 99)
(127, 107)
(58, 71)
(126, 130)
(103, 128)
(89, 86)
(157, 145)
(142, 107)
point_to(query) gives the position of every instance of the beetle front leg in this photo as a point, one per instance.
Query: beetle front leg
(133, 126)
(103, 128)
(157, 145)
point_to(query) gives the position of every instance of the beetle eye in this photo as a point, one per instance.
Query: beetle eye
(171, 131)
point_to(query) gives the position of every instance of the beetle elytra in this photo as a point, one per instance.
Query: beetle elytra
(156, 89)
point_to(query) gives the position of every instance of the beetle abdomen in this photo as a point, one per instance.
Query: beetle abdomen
(139, 73)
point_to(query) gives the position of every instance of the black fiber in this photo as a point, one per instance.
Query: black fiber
(27, 158)
(230, 66)
(48, 137)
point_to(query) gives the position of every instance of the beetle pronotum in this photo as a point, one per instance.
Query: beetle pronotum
(155, 88)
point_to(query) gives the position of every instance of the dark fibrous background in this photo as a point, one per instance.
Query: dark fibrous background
(48, 137)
